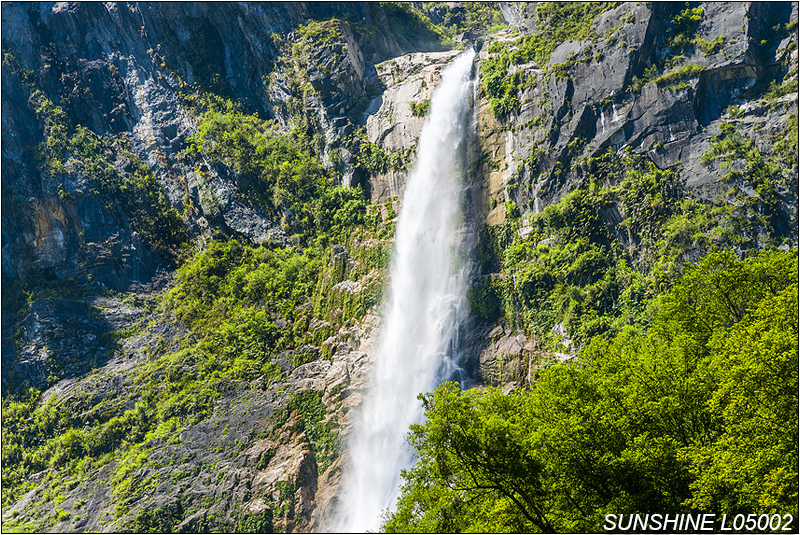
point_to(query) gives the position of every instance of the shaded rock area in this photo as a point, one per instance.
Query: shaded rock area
(126, 69)
(65, 338)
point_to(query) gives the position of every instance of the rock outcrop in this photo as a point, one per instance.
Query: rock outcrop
(595, 94)
(392, 119)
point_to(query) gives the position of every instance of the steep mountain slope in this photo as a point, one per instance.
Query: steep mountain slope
(191, 298)
(116, 166)
(638, 138)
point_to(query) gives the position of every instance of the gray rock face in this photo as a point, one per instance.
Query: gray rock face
(596, 105)
(116, 69)
(390, 120)
(120, 69)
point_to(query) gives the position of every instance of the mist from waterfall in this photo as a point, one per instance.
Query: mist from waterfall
(427, 302)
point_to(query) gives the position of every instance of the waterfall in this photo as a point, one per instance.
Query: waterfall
(426, 304)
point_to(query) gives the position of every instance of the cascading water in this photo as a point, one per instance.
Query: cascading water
(426, 305)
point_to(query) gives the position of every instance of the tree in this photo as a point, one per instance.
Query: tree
(472, 453)
(696, 413)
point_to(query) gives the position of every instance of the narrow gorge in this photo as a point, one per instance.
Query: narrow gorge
(398, 266)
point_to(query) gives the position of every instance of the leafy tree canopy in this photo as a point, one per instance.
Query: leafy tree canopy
(695, 413)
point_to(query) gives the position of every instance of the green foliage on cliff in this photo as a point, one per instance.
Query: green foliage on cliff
(476, 17)
(556, 22)
(371, 157)
(687, 71)
(420, 109)
(694, 412)
(248, 313)
(746, 166)
(591, 261)
(247, 310)
(399, 22)
(280, 174)
(117, 174)
(324, 443)
(684, 26)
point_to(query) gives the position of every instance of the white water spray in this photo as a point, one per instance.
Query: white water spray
(426, 305)
(615, 117)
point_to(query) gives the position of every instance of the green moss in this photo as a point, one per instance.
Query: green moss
(422, 109)
(712, 47)
(323, 441)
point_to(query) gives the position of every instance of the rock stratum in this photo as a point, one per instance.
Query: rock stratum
(104, 198)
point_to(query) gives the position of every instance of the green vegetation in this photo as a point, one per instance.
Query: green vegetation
(420, 109)
(158, 520)
(324, 443)
(682, 372)
(280, 175)
(477, 17)
(582, 266)
(245, 308)
(746, 165)
(712, 47)
(373, 159)
(556, 22)
(684, 26)
(687, 71)
(668, 71)
(695, 411)
(673, 79)
(403, 23)
(409, 24)
(73, 150)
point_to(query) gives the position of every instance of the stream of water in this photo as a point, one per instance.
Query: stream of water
(426, 304)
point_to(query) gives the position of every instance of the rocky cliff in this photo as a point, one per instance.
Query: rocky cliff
(112, 179)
